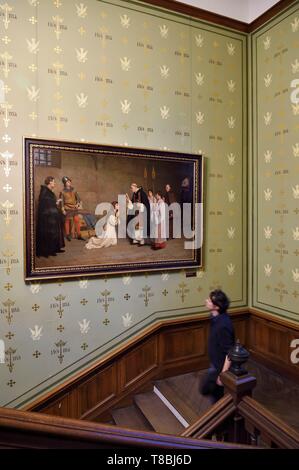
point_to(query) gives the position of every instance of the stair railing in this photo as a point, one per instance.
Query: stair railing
(28, 430)
(264, 428)
(237, 417)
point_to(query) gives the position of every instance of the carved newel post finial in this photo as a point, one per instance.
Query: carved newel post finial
(238, 356)
(237, 381)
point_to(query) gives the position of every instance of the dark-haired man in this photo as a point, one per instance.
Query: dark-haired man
(49, 229)
(221, 340)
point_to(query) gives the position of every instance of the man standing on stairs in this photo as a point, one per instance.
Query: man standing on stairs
(221, 340)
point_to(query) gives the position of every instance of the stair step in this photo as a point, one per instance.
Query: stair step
(159, 416)
(187, 388)
(130, 417)
(167, 392)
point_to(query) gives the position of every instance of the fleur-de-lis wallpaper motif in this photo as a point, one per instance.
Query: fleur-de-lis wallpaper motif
(268, 232)
(296, 234)
(81, 10)
(36, 333)
(102, 72)
(268, 156)
(276, 152)
(164, 70)
(125, 64)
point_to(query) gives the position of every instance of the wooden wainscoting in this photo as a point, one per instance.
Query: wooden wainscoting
(269, 342)
(170, 347)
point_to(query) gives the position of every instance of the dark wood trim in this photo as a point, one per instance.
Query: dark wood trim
(211, 419)
(292, 325)
(271, 428)
(205, 15)
(269, 14)
(200, 14)
(19, 429)
(170, 347)
(269, 339)
(109, 358)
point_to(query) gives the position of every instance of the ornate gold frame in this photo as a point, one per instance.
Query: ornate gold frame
(34, 273)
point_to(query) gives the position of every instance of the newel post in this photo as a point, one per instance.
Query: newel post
(238, 382)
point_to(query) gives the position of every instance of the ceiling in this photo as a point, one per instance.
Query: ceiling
(242, 10)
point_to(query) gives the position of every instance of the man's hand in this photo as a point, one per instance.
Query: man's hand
(227, 364)
(218, 381)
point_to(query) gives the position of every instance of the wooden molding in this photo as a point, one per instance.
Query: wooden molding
(110, 357)
(159, 351)
(269, 14)
(274, 318)
(221, 20)
(167, 348)
(212, 418)
(272, 428)
(270, 340)
(199, 13)
(23, 430)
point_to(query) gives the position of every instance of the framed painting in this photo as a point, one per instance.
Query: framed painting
(95, 210)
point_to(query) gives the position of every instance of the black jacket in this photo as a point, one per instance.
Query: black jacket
(221, 340)
(49, 230)
(141, 197)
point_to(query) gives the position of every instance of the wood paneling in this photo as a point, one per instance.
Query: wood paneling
(20, 430)
(137, 364)
(59, 407)
(96, 391)
(241, 331)
(170, 348)
(270, 342)
(184, 345)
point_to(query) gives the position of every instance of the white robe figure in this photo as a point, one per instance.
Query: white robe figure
(160, 224)
(152, 201)
(108, 237)
(138, 233)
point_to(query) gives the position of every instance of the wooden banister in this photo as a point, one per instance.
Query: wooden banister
(211, 419)
(237, 417)
(269, 427)
(20, 429)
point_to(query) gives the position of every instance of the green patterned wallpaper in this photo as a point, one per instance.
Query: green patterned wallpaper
(128, 74)
(275, 72)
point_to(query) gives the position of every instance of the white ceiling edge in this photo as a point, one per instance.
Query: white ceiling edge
(242, 10)
(258, 7)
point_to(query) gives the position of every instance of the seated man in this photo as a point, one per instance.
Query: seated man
(71, 205)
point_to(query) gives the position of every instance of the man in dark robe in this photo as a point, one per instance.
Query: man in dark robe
(170, 198)
(186, 197)
(140, 202)
(186, 191)
(49, 230)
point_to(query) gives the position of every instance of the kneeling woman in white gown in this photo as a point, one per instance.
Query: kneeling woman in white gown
(109, 236)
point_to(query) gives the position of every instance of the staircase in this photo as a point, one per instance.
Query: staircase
(172, 405)
(175, 403)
